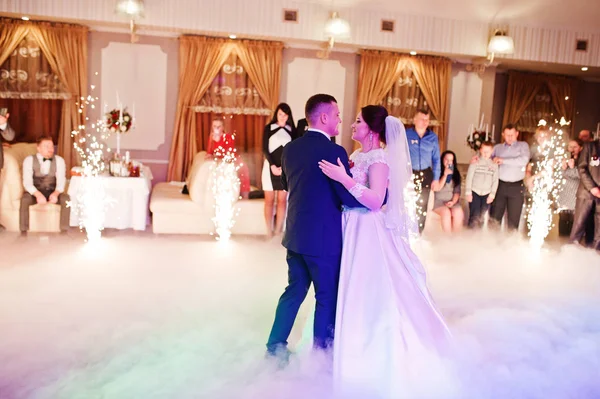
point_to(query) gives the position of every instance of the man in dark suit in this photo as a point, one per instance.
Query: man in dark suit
(313, 235)
(588, 193)
(303, 127)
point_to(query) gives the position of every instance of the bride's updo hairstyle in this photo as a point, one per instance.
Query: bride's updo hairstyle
(374, 116)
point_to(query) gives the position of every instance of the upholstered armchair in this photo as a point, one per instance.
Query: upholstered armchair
(177, 213)
(42, 217)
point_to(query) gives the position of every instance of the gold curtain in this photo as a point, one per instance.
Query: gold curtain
(200, 59)
(525, 88)
(405, 97)
(26, 74)
(262, 61)
(233, 92)
(433, 76)
(563, 89)
(539, 108)
(65, 49)
(380, 72)
(234, 97)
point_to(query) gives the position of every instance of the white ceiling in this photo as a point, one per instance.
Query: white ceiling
(583, 14)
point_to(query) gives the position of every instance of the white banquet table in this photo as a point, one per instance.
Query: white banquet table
(127, 200)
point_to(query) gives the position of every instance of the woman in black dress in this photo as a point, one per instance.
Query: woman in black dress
(277, 134)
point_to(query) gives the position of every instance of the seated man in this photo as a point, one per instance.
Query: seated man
(44, 178)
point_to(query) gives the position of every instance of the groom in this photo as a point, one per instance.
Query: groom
(313, 235)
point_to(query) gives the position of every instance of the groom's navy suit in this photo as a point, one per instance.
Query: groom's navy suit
(313, 235)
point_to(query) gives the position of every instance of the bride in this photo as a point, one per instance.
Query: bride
(388, 328)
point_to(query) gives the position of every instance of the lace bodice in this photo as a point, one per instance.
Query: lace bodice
(362, 161)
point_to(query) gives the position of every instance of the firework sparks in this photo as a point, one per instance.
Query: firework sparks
(547, 185)
(225, 188)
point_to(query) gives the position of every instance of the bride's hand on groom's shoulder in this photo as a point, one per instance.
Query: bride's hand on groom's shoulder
(334, 172)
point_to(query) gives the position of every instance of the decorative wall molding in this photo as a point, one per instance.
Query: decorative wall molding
(137, 74)
(262, 19)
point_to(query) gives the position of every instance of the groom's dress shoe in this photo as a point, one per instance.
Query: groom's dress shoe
(280, 356)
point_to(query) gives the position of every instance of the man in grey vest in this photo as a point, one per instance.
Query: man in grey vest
(44, 178)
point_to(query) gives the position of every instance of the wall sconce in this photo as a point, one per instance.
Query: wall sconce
(133, 10)
(335, 28)
(500, 43)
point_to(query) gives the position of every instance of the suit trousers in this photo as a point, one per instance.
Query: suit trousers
(584, 210)
(27, 200)
(423, 178)
(324, 272)
(509, 198)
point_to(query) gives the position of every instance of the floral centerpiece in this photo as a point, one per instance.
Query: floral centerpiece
(476, 139)
(117, 121)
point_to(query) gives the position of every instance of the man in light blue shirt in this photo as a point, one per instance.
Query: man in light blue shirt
(424, 148)
(512, 157)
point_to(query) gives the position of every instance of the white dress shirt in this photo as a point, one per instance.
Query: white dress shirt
(320, 131)
(61, 176)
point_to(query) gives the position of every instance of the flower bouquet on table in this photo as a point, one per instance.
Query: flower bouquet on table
(476, 139)
(118, 121)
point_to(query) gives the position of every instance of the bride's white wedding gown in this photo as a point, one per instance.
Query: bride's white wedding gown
(388, 330)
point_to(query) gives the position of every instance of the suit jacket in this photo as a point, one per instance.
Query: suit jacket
(589, 169)
(303, 127)
(314, 219)
(7, 134)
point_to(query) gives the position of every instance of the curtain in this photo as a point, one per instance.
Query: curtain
(233, 97)
(248, 130)
(433, 75)
(524, 97)
(379, 70)
(405, 97)
(540, 107)
(65, 49)
(233, 92)
(262, 61)
(33, 118)
(382, 75)
(200, 60)
(27, 74)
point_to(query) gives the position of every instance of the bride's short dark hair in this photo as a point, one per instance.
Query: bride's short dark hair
(374, 116)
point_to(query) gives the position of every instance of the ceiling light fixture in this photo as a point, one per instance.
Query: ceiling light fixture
(335, 28)
(584, 69)
(25, 18)
(232, 36)
(133, 10)
(413, 53)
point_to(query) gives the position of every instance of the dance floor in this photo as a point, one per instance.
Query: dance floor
(142, 316)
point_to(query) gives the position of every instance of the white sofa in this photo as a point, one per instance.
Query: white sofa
(177, 213)
(42, 217)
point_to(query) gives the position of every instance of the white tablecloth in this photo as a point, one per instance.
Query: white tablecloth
(128, 200)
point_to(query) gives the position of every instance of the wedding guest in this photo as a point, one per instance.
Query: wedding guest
(568, 195)
(424, 148)
(588, 193)
(447, 195)
(279, 132)
(586, 136)
(481, 185)
(44, 178)
(221, 143)
(7, 133)
(511, 157)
